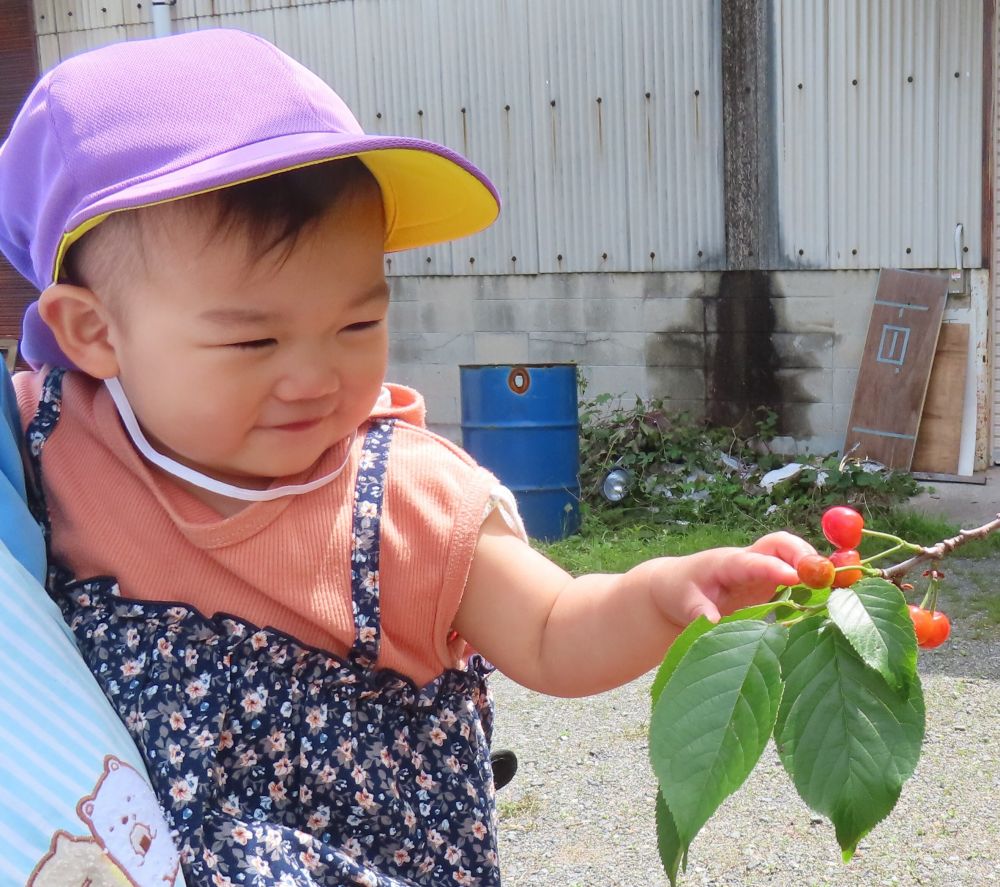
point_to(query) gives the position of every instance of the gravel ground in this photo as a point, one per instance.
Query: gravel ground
(579, 813)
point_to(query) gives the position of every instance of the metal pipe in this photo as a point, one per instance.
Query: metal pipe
(162, 23)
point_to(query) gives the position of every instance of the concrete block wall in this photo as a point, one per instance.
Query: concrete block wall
(652, 335)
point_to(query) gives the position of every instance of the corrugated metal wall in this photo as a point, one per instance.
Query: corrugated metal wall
(600, 120)
(881, 132)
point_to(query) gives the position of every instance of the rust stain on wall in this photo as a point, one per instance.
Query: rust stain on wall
(726, 343)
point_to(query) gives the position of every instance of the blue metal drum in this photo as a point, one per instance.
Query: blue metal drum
(522, 423)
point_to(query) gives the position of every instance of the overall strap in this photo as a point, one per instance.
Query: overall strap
(368, 494)
(42, 424)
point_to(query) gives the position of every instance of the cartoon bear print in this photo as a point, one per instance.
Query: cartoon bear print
(125, 819)
(76, 862)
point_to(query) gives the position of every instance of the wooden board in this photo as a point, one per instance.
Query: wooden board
(940, 434)
(977, 479)
(896, 366)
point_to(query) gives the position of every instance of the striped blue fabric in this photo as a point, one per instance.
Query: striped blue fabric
(60, 742)
(18, 530)
(56, 728)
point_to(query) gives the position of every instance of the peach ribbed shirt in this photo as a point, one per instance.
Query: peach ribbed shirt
(285, 563)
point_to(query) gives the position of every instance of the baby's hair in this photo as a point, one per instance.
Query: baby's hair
(269, 213)
(274, 210)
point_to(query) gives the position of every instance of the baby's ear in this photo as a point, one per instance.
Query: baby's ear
(80, 324)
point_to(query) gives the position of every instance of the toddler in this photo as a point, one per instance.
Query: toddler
(286, 586)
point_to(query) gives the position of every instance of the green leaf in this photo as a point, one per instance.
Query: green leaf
(873, 617)
(668, 843)
(847, 739)
(755, 612)
(810, 597)
(678, 648)
(714, 718)
(695, 630)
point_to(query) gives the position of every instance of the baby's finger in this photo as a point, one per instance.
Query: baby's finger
(787, 546)
(691, 604)
(764, 570)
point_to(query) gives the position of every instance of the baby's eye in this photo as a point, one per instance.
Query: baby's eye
(362, 326)
(254, 343)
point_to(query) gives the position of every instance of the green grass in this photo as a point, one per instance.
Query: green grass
(986, 600)
(604, 548)
(926, 530)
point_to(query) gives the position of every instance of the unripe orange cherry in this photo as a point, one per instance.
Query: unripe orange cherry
(846, 557)
(816, 571)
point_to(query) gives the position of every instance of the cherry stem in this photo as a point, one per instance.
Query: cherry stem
(888, 551)
(938, 551)
(899, 543)
(868, 571)
(930, 599)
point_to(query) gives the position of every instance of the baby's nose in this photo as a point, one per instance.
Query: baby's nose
(309, 381)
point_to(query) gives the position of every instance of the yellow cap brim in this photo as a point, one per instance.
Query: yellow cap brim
(430, 194)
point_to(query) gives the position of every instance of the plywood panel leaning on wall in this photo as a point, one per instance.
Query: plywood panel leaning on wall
(896, 366)
(939, 437)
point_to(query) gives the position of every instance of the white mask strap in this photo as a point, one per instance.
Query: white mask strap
(203, 480)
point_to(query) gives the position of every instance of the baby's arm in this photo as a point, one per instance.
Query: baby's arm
(573, 637)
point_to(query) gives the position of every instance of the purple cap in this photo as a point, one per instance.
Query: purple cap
(143, 122)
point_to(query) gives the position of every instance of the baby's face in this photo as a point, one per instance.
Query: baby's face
(251, 372)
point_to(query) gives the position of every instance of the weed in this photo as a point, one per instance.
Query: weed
(636, 732)
(682, 470)
(527, 806)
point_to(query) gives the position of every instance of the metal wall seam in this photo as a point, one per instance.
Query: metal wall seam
(576, 61)
(223, 8)
(839, 166)
(85, 15)
(259, 22)
(321, 36)
(138, 12)
(45, 20)
(48, 51)
(75, 42)
(487, 116)
(960, 129)
(673, 135)
(399, 80)
(802, 132)
(898, 181)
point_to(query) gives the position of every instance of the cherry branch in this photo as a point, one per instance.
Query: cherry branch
(940, 550)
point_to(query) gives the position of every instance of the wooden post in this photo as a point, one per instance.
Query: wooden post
(749, 144)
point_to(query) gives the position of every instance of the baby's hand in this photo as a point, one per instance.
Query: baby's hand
(716, 582)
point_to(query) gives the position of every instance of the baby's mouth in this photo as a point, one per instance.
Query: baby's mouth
(304, 425)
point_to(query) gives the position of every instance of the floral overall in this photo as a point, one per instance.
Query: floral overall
(281, 764)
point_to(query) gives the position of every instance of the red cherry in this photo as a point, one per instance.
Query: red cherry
(842, 526)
